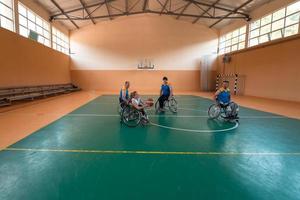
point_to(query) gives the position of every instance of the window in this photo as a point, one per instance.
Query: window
(28, 20)
(60, 41)
(233, 41)
(7, 14)
(282, 23)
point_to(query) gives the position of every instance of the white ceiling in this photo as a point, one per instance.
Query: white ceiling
(118, 7)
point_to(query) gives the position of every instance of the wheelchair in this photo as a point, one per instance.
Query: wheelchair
(170, 104)
(228, 112)
(132, 117)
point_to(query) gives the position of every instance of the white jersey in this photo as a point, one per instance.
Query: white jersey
(137, 101)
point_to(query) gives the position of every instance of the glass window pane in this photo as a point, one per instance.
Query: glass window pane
(22, 20)
(278, 25)
(291, 30)
(46, 26)
(266, 20)
(222, 39)
(39, 30)
(23, 31)
(255, 25)
(234, 47)
(9, 3)
(222, 45)
(46, 34)
(229, 36)
(279, 14)
(227, 50)
(39, 21)
(254, 33)
(253, 42)
(5, 11)
(276, 35)
(263, 39)
(265, 29)
(22, 10)
(242, 38)
(241, 45)
(293, 8)
(47, 42)
(228, 43)
(292, 19)
(235, 33)
(31, 16)
(6, 23)
(41, 39)
(243, 30)
(235, 40)
(31, 26)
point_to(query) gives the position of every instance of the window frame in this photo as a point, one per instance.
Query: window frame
(12, 20)
(46, 40)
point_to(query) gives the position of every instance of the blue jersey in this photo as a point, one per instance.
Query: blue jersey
(126, 93)
(223, 96)
(166, 90)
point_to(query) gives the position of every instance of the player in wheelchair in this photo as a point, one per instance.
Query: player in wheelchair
(166, 99)
(224, 107)
(124, 96)
(134, 112)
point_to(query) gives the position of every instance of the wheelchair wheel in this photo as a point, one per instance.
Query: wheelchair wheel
(214, 111)
(173, 105)
(156, 106)
(131, 117)
(120, 108)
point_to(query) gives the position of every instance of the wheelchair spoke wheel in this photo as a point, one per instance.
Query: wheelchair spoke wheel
(214, 111)
(131, 117)
(157, 106)
(173, 105)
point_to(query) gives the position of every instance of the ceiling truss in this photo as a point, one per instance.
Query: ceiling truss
(206, 11)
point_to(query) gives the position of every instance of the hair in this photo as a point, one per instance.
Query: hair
(225, 81)
(165, 78)
(126, 82)
(132, 94)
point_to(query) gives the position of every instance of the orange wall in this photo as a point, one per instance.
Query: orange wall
(24, 62)
(103, 54)
(272, 71)
(143, 81)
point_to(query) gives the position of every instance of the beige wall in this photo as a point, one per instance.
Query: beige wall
(24, 62)
(142, 81)
(175, 47)
(272, 71)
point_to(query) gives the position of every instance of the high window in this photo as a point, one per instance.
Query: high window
(279, 24)
(31, 22)
(233, 41)
(60, 41)
(7, 14)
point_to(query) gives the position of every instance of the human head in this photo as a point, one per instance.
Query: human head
(165, 80)
(225, 84)
(134, 94)
(127, 84)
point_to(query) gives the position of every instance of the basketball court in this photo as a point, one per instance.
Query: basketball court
(67, 66)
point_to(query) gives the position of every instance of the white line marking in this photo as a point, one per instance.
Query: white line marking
(197, 131)
(157, 152)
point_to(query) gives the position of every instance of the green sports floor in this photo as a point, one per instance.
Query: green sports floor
(89, 154)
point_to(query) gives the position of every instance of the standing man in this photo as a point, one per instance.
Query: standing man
(166, 92)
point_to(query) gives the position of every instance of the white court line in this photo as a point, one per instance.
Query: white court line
(197, 131)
